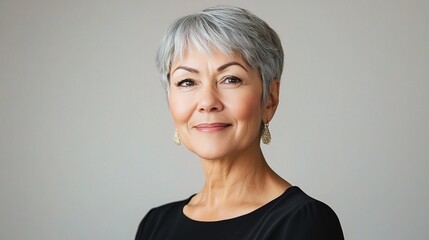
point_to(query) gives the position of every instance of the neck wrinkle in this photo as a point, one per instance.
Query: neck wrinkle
(232, 180)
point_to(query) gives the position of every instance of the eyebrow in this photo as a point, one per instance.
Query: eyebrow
(189, 69)
(226, 65)
(219, 69)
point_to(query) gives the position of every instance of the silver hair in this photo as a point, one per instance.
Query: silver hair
(232, 30)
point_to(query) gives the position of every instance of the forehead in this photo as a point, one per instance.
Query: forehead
(215, 56)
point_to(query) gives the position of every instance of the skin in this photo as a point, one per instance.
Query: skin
(215, 103)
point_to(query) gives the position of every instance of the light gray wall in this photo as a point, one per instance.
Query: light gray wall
(85, 132)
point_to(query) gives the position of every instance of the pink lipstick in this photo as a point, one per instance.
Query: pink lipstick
(211, 127)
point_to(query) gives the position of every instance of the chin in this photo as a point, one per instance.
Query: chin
(210, 151)
(219, 148)
(212, 154)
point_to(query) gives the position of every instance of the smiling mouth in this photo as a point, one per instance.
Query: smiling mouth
(212, 127)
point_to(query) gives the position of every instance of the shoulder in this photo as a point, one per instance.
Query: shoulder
(167, 209)
(160, 216)
(310, 218)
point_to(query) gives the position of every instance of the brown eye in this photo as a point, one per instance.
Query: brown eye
(186, 83)
(231, 80)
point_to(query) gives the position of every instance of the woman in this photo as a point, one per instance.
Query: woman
(221, 69)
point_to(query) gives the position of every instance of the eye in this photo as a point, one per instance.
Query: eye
(231, 80)
(185, 83)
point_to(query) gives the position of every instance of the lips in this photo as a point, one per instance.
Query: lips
(212, 127)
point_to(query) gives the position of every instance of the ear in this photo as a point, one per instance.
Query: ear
(272, 101)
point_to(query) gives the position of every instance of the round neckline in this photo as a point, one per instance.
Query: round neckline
(257, 210)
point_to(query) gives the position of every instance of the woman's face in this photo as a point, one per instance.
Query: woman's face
(215, 102)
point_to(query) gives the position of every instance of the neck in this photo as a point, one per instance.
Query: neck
(236, 178)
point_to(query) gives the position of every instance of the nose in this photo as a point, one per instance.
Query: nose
(208, 100)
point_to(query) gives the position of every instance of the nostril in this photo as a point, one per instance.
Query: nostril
(209, 101)
(209, 109)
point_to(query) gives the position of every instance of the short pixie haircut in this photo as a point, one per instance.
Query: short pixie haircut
(232, 30)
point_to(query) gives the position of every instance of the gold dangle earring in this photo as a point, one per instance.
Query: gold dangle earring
(176, 138)
(266, 135)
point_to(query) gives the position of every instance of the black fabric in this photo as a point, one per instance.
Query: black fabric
(292, 216)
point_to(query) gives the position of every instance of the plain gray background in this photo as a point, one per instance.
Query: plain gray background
(85, 130)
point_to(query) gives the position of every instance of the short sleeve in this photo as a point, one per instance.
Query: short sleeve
(314, 221)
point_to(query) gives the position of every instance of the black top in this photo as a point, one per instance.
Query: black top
(291, 216)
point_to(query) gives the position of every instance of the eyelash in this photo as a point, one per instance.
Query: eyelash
(234, 78)
(185, 83)
(189, 83)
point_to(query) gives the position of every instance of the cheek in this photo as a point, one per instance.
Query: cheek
(180, 109)
(247, 107)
